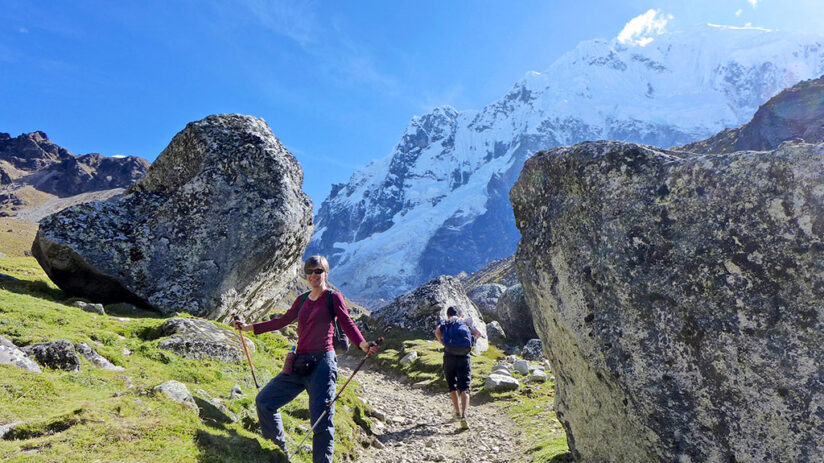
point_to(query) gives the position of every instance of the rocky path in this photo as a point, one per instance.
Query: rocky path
(418, 425)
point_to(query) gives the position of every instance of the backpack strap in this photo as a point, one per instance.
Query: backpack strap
(330, 303)
(303, 299)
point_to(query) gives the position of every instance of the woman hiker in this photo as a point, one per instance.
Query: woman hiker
(315, 366)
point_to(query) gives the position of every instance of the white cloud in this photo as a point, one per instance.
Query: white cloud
(738, 13)
(640, 29)
(754, 3)
(294, 20)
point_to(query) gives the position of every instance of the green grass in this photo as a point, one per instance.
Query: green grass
(99, 415)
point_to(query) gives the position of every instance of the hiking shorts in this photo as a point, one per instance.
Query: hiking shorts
(458, 371)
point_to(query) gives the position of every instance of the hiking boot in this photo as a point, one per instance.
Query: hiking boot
(458, 416)
(464, 424)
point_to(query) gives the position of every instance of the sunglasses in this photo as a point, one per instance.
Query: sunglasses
(316, 271)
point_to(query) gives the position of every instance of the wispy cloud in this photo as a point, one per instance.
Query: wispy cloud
(754, 3)
(640, 29)
(739, 12)
(336, 53)
(295, 20)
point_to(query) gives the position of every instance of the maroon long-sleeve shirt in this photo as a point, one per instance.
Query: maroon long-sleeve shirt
(315, 327)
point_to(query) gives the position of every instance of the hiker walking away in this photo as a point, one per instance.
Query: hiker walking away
(314, 368)
(457, 334)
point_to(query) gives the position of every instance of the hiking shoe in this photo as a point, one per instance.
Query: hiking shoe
(464, 424)
(458, 416)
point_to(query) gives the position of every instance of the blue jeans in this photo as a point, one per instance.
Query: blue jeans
(320, 385)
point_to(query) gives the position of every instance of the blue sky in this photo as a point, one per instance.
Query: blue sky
(337, 81)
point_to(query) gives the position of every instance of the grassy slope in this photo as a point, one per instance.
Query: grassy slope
(16, 236)
(89, 416)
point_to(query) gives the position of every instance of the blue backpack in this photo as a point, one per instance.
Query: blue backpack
(457, 338)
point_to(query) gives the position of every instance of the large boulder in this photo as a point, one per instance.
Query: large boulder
(679, 299)
(514, 314)
(217, 224)
(486, 297)
(422, 308)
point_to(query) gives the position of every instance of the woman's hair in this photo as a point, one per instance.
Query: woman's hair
(316, 261)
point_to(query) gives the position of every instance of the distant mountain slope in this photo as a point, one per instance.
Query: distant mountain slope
(438, 204)
(35, 171)
(794, 114)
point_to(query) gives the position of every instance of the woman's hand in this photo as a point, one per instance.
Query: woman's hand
(243, 327)
(369, 347)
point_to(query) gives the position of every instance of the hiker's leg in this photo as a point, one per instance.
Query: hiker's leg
(464, 402)
(450, 374)
(464, 374)
(321, 388)
(280, 391)
(454, 396)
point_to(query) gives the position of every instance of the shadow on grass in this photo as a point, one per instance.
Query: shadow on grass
(39, 289)
(219, 448)
(562, 458)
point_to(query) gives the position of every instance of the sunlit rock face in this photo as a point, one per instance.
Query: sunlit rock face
(679, 299)
(422, 308)
(217, 224)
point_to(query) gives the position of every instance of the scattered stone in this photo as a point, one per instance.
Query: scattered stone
(96, 359)
(521, 366)
(89, 307)
(196, 339)
(8, 427)
(533, 350)
(236, 393)
(423, 384)
(409, 358)
(501, 383)
(12, 355)
(59, 355)
(538, 376)
(178, 392)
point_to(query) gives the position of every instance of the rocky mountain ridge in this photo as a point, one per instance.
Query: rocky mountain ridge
(34, 170)
(438, 204)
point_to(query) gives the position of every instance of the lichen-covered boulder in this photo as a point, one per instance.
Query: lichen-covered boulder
(199, 339)
(486, 298)
(679, 299)
(514, 314)
(422, 308)
(59, 355)
(218, 224)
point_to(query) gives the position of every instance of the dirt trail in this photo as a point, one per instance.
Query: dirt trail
(419, 426)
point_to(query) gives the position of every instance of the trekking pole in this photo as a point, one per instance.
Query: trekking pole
(245, 349)
(329, 406)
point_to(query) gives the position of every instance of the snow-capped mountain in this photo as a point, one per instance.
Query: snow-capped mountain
(439, 203)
